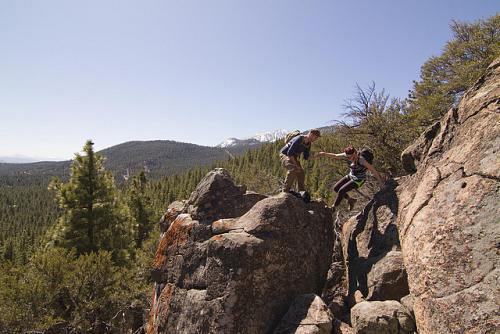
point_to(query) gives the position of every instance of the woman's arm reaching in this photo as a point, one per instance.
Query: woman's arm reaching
(339, 156)
(372, 169)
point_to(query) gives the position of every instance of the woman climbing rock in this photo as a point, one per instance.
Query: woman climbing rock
(359, 163)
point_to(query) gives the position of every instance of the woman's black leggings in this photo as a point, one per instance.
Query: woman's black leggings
(344, 185)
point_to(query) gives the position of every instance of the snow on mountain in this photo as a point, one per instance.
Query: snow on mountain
(228, 142)
(259, 138)
(271, 136)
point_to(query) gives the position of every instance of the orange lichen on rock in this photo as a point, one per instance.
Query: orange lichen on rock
(217, 237)
(176, 236)
(163, 301)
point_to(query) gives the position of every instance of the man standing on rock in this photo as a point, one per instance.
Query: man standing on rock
(289, 156)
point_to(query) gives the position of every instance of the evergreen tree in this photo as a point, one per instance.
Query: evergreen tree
(445, 78)
(138, 203)
(93, 217)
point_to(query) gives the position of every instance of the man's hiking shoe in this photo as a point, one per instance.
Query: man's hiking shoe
(352, 202)
(303, 195)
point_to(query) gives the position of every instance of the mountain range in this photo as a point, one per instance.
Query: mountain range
(157, 157)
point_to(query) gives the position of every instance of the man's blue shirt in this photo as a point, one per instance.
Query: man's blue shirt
(295, 147)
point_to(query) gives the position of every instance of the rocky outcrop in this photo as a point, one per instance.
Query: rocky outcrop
(448, 220)
(216, 197)
(307, 315)
(231, 261)
(435, 233)
(414, 154)
(373, 231)
(387, 317)
(371, 247)
(387, 279)
(173, 210)
(220, 269)
(336, 285)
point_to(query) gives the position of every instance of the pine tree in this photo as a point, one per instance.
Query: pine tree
(93, 217)
(445, 78)
(138, 203)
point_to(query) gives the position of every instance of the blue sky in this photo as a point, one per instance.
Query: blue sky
(202, 71)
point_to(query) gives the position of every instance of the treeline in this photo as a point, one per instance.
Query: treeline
(88, 273)
(82, 262)
(26, 212)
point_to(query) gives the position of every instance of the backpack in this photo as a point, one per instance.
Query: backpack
(289, 136)
(367, 154)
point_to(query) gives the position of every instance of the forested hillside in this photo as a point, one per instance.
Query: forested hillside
(26, 212)
(158, 158)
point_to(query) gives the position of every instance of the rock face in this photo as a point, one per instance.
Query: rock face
(387, 317)
(307, 315)
(231, 261)
(173, 210)
(336, 285)
(387, 279)
(371, 248)
(216, 197)
(373, 231)
(407, 302)
(221, 270)
(449, 216)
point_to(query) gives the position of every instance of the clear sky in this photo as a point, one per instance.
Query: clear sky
(202, 71)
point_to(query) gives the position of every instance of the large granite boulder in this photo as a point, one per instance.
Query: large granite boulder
(387, 279)
(238, 274)
(181, 253)
(216, 197)
(381, 317)
(307, 315)
(448, 221)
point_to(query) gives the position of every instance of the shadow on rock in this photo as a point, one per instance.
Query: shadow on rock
(368, 238)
